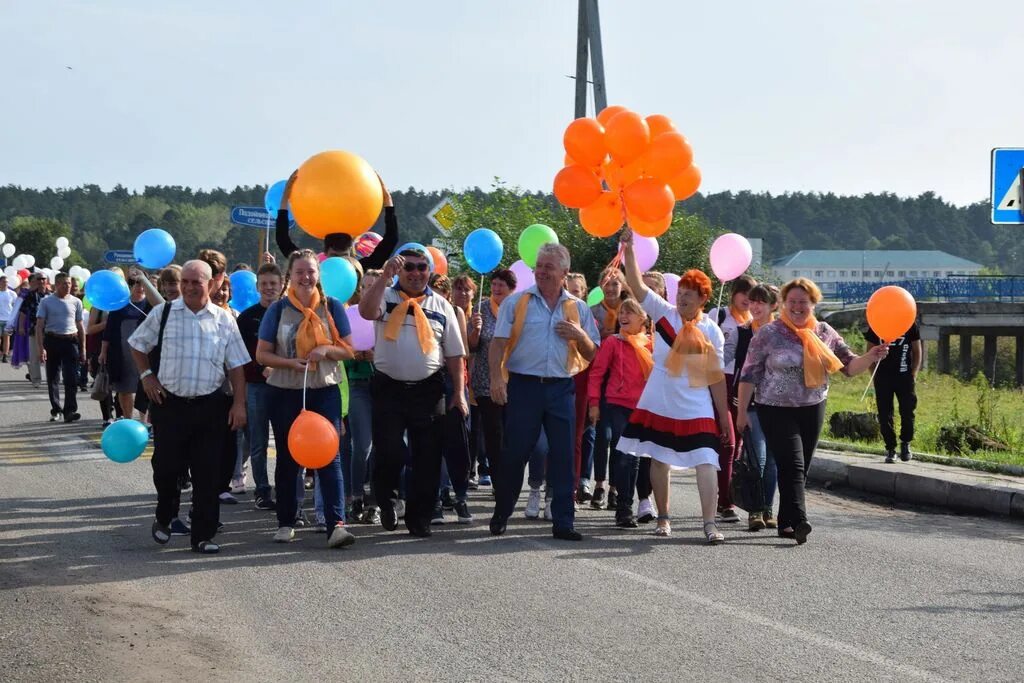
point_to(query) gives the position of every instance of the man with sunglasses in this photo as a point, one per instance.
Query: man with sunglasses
(417, 333)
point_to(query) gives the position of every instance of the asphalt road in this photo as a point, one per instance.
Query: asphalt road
(876, 594)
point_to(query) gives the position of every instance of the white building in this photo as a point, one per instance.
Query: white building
(829, 266)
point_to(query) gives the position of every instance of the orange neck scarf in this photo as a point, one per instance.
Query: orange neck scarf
(693, 350)
(819, 361)
(641, 346)
(310, 333)
(611, 317)
(424, 332)
(574, 362)
(741, 317)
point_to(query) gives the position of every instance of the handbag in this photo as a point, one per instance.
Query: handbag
(101, 385)
(746, 487)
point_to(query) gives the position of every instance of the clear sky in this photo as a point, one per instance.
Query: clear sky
(850, 97)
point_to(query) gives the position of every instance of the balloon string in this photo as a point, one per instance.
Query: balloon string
(870, 381)
(137, 308)
(268, 234)
(720, 293)
(305, 376)
(480, 299)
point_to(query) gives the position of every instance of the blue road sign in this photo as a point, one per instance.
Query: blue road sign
(120, 256)
(1007, 186)
(254, 217)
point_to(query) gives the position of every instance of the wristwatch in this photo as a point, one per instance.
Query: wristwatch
(144, 374)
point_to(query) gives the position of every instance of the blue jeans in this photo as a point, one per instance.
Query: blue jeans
(258, 429)
(356, 444)
(534, 405)
(625, 467)
(285, 405)
(587, 453)
(765, 459)
(538, 459)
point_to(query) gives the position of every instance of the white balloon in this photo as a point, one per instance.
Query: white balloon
(86, 274)
(52, 277)
(14, 281)
(3, 238)
(56, 263)
(8, 250)
(10, 271)
(30, 260)
(62, 242)
(73, 271)
(19, 262)
(64, 251)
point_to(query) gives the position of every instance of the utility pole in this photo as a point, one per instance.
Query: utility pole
(588, 49)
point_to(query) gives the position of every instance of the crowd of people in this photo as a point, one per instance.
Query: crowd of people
(595, 405)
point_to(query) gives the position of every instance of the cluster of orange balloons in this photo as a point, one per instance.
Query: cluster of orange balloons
(624, 168)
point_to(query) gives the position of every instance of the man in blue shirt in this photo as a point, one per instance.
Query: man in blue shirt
(543, 337)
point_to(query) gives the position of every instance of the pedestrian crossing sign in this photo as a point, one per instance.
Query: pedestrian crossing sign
(1008, 186)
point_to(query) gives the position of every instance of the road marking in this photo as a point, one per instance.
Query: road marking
(740, 614)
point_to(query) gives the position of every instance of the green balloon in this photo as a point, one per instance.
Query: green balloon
(86, 304)
(595, 297)
(532, 239)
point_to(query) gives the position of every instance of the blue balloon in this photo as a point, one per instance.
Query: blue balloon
(154, 248)
(243, 290)
(272, 199)
(483, 250)
(338, 278)
(124, 440)
(107, 290)
(416, 246)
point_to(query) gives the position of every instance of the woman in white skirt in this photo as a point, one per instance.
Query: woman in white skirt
(675, 421)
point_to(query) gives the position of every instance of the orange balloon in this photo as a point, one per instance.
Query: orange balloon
(604, 217)
(659, 123)
(649, 228)
(612, 173)
(576, 187)
(312, 440)
(608, 112)
(668, 155)
(440, 261)
(584, 141)
(685, 184)
(648, 199)
(627, 136)
(336, 192)
(891, 312)
(568, 161)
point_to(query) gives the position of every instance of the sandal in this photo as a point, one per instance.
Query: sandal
(714, 536)
(663, 529)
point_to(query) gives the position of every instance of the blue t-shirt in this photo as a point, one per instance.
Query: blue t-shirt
(279, 325)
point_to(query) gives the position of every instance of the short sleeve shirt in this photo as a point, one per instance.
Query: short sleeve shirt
(898, 363)
(60, 316)
(279, 327)
(403, 359)
(659, 309)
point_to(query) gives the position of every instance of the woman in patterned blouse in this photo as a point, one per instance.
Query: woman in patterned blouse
(788, 363)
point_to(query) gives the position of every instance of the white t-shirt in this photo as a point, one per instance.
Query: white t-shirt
(7, 299)
(731, 332)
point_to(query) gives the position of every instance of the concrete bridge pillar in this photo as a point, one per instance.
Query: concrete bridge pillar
(943, 355)
(965, 356)
(989, 358)
(1019, 361)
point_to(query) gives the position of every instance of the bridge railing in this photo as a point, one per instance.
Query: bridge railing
(955, 288)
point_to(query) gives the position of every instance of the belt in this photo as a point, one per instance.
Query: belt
(62, 336)
(189, 399)
(538, 379)
(380, 376)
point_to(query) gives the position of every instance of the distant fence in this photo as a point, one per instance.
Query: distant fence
(955, 288)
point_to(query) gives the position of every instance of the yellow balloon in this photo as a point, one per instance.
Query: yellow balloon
(336, 192)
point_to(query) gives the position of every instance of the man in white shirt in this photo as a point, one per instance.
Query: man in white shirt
(7, 298)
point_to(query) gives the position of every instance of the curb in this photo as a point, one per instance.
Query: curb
(952, 460)
(955, 491)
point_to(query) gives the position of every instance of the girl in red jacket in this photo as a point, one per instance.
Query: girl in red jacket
(617, 377)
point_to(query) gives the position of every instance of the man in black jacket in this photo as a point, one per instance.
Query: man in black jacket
(896, 377)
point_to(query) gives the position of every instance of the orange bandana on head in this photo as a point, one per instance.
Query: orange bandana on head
(691, 349)
(310, 333)
(819, 361)
(574, 362)
(424, 332)
(641, 346)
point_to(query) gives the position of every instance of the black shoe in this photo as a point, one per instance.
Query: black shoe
(567, 534)
(419, 530)
(597, 502)
(801, 531)
(890, 456)
(613, 500)
(388, 517)
(498, 525)
(728, 515)
(905, 454)
(54, 414)
(437, 517)
(473, 484)
(626, 521)
(357, 510)
(184, 482)
(265, 503)
(161, 534)
(206, 548)
(786, 534)
(448, 499)
(73, 417)
(583, 494)
(300, 522)
(179, 528)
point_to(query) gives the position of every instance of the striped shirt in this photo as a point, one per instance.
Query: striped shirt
(402, 359)
(197, 347)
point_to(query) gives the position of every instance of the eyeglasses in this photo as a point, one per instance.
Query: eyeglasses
(132, 282)
(410, 267)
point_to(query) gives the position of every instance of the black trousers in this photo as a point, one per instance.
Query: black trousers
(902, 388)
(229, 452)
(416, 409)
(492, 423)
(188, 434)
(792, 435)
(62, 363)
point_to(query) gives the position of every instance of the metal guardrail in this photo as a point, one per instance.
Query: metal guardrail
(955, 288)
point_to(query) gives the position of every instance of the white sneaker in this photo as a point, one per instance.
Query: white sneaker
(400, 508)
(238, 485)
(340, 537)
(645, 511)
(284, 534)
(547, 509)
(533, 504)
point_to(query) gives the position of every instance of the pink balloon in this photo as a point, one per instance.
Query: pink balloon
(524, 275)
(646, 250)
(730, 256)
(321, 257)
(362, 329)
(672, 287)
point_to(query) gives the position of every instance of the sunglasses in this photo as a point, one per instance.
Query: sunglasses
(132, 282)
(411, 267)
